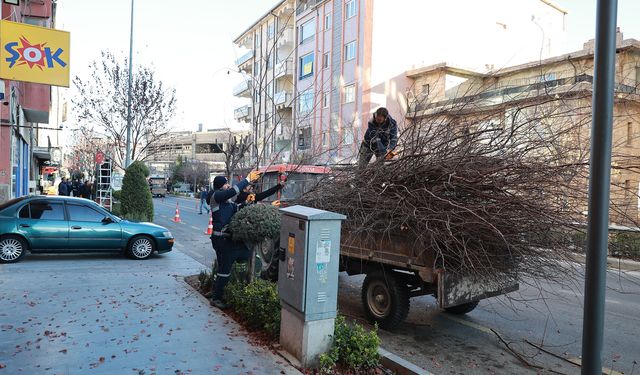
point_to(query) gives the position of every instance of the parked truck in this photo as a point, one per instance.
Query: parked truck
(396, 270)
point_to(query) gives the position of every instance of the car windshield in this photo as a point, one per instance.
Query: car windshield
(11, 203)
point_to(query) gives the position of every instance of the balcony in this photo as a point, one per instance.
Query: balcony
(284, 68)
(243, 113)
(243, 89)
(283, 99)
(244, 62)
(286, 37)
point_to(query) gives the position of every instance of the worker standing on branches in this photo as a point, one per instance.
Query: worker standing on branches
(380, 138)
(227, 251)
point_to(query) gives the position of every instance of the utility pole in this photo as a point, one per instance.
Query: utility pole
(599, 187)
(128, 157)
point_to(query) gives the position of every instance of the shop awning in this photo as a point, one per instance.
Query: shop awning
(36, 116)
(41, 153)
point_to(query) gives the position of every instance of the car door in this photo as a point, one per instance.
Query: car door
(89, 231)
(44, 224)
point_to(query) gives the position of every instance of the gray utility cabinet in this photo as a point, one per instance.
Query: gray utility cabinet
(309, 259)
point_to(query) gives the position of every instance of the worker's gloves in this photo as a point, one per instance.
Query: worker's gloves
(251, 198)
(254, 176)
(390, 155)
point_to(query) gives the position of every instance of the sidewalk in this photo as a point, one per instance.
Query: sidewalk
(106, 314)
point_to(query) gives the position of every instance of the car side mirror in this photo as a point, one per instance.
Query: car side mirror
(107, 220)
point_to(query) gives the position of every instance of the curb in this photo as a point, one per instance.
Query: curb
(615, 263)
(400, 366)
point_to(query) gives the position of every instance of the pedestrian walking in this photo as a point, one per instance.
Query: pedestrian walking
(203, 199)
(63, 188)
(227, 251)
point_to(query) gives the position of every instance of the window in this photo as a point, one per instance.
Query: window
(84, 213)
(36, 21)
(324, 139)
(306, 66)
(350, 51)
(325, 60)
(425, 90)
(271, 30)
(325, 100)
(347, 136)
(629, 133)
(327, 22)
(47, 211)
(307, 31)
(305, 102)
(351, 9)
(349, 93)
(24, 212)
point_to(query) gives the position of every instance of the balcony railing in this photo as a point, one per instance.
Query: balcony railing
(282, 98)
(284, 68)
(242, 88)
(242, 113)
(286, 36)
(244, 58)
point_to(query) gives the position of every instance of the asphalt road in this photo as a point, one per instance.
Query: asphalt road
(544, 314)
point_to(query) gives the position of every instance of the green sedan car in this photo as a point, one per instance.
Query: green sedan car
(54, 224)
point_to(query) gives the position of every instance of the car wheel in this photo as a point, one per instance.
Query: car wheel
(140, 247)
(12, 248)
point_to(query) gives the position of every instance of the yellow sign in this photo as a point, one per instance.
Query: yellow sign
(34, 54)
(292, 244)
(307, 68)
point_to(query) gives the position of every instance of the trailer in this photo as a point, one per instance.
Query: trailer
(396, 269)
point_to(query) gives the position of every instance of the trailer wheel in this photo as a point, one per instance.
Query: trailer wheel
(462, 309)
(268, 252)
(385, 299)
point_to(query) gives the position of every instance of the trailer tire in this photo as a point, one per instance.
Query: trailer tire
(268, 252)
(462, 309)
(385, 299)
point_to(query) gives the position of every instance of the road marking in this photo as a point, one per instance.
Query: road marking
(608, 371)
(468, 323)
(194, 227)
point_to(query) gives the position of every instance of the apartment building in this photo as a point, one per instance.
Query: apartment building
(267, 62)
(24, 114)
(204, 146)
(559, 90)
(351, 57)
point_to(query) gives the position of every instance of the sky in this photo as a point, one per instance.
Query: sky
(190, 44)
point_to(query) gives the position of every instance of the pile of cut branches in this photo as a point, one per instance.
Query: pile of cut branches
(480, 195)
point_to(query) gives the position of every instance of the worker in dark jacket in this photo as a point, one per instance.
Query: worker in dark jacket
(227, 251)
(380, 138)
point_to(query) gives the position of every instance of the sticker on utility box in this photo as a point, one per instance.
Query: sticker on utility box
(323, 251)
(292, 244)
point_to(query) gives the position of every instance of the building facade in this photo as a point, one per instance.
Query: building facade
(206, 146)
(555, 95)
(350, 57)
(24, 115)
(268, 63)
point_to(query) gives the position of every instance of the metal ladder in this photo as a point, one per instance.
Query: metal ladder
(103, 184)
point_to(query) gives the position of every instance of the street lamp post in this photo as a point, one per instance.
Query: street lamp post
(128, 157)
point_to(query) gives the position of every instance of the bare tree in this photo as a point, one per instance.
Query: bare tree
(236, 154)
(101, 106)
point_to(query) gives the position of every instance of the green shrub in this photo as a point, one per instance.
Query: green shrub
(206, 278)
(255, 223)
(353, 347)
(258, 303)
(136, 199)
(116, 194)
(116, 209)
(625, 245)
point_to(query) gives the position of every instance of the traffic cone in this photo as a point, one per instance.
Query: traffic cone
(176, 218)
(209, 230)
